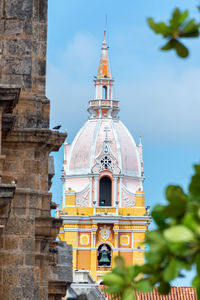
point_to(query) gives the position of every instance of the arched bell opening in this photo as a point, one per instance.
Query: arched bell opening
(104, 255)
(105, 191)
(105, 92)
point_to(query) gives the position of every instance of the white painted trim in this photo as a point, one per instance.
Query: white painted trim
(94, 142)
(124, 236)
(113, 249)
(84, 190)
(98, 218)
(96, 183)
(90, 201)
(118, 144)
(94, 230)
(132, 239)
(120, 192)
(82, 236)
(102, 272)
(129, 230)
(127, 191)
(81, 172)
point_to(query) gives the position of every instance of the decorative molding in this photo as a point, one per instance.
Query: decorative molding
(113, 249)
(127, 191)
(84, 190)
(83, 201)
(82, 237)
(127, 201)
(105, 232)
(123, 243)
(106, 160)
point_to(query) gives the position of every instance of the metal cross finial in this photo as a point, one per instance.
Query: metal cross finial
(105, 27)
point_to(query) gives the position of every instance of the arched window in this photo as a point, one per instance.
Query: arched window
(105, 96)
(104, 256)
(105, 191)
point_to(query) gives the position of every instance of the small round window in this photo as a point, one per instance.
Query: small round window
(106, 162)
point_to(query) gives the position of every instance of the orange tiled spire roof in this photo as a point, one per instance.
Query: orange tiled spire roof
(104, 65)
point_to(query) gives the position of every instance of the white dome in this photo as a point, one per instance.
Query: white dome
(88, 144)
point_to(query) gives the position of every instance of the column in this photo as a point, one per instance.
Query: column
(115, 203)
(116, 237)
(120, 192)
(90, 192)
(93, 253)
(96, 183)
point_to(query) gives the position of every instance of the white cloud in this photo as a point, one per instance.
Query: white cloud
(162, 106)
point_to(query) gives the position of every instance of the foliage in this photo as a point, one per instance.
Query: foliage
(178, 27)
(173, 246)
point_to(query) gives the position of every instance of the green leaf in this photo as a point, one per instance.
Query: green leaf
(119, 271)
(153, 257)
(158, 216)
(113, 280)
(196, 282)
(164, 288)
(156, 241)
(190, 29)
(129, 294)
(176, 18)
(197, 169)
(133, 271)
(179, 233)
(143, 286)
(172, 270)
(168, 46)
(114, 290)
(190, 222)
(194, 186)
(181, 50)
(197, 260)
(174, 193)
(159, 28)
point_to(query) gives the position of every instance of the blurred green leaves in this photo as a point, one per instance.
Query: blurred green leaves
(178, 27)
(173, 246)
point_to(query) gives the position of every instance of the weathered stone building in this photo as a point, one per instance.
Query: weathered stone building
(32, 264)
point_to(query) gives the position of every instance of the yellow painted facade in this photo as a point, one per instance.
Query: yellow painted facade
(84, 234)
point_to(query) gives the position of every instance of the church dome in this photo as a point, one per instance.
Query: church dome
(103, 146)
(90, 140)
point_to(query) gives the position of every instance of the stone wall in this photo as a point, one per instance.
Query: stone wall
(27, 230)
(23, 27)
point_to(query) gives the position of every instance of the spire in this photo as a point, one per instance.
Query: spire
(103, 106)
(104, 65)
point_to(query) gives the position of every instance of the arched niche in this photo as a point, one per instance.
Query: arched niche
(105, 191)
(104, 255)
(105, 92)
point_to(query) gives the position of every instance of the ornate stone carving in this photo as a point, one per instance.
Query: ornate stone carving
(105, 232)
(106, 160)
(127, 201)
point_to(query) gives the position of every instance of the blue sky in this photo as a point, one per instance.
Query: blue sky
(158, 92)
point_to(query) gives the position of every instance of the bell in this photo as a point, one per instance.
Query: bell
(104, 260)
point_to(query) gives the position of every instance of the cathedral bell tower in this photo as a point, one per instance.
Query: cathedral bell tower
(103, 205)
